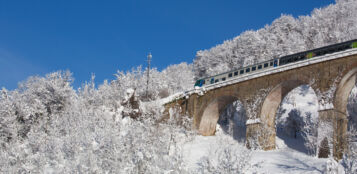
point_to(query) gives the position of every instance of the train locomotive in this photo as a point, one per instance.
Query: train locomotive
(236, 73)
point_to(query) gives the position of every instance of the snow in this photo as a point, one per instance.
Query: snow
(332, 167)
(325, 106)
(252, 121)
(128, 93)
(281, 160)
(287, 161)
(279, 143)
(170, 98)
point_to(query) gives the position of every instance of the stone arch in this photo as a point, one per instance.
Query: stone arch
(344, 89)
(342, 93)
(210, 114)
(269, 110)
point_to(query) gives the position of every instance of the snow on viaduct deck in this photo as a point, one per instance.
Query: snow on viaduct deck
(332, 77)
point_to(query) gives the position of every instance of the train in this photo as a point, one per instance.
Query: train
(273, 63)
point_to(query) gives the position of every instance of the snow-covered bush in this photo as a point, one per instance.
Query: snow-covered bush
(228, 158)
(333, 167)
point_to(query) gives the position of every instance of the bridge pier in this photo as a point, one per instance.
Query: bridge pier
(333, 128)
(258, 135)
(252, 135)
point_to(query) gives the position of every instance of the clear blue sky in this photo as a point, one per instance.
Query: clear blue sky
(101, 37)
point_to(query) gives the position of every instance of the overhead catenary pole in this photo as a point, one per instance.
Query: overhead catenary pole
(148, 75)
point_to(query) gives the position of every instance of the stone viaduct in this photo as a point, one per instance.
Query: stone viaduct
(332, 80)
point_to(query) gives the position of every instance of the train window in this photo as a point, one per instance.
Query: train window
(254, 68)
(197, 83)
(266, 65)
(271, 63)
(309, 55)
(275, 63)
(216, 81)
(230, 75)
(302, 57)
(236, 73)
(354, 45)
(212, 80)
(247, 70)
(260, 66)
(223, 79)
(241, 72)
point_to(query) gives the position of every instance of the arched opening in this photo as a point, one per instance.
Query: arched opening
(297, 120)
(280, 114)
(232, 121)
(269, 110)
(347, 87)
(344, 89)
(344, 104)
(352, 119)
(211, 114)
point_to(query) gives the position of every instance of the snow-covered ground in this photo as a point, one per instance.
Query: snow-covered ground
(287, 160)
(283, 160)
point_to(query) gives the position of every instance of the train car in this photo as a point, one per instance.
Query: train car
(237, 73)
(318, 52)
(277, 62)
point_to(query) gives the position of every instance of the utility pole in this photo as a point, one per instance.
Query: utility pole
(148, 76)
